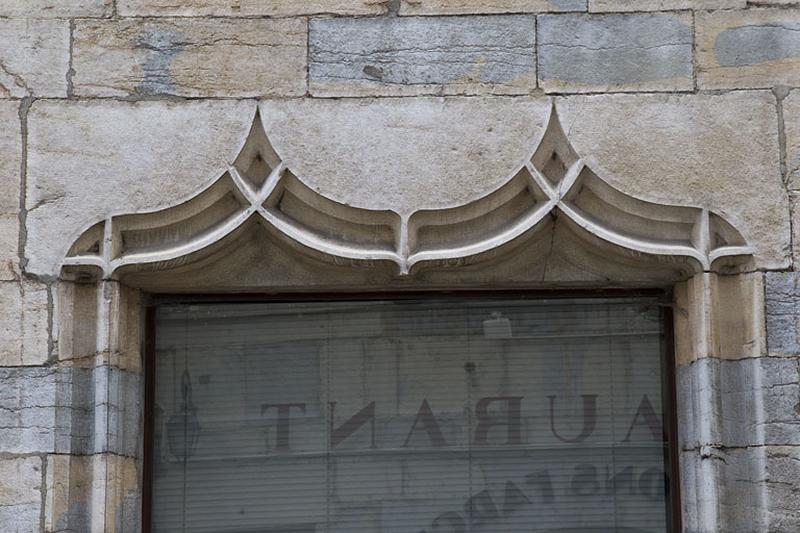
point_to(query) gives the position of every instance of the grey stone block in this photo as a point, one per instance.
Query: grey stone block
(783, 312)
(587, 53)
(422, 55)
(747, 402)
(27, 409)
(70, 410)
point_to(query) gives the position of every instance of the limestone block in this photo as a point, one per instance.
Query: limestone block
(99, 492)
(795, 196)
(23, 324)
(68, 496)
(28, 414)
(34, 57)
(750, 48)
(465, 7)
(9, 245)
(404, 154)
(783, 313)
(422, 55)
(749, 402)
(791, 125)
(116, 507)
(783, 469)
(10, 157)
(89, 159)
(248, 8)
(117, 408)
(595, 53)
(20, 494)
(742, 491)
(55, 8)
(10, 164)
(106, 326)
(692, 150)
(719, 316)
(662, 5)
(190, 57)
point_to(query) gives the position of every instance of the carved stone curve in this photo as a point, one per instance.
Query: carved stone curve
(554, 180)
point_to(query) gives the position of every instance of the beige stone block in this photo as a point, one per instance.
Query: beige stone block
(462, 7)
(34, 57)
(662, 5)
(698, 150)
(791, 125)
(748, 49)
(248, 8)
(20, 494)
(9, 244)
(99, 319)
(23, 323)
(55, 8)
(738, 316)
(190, 57)
(116, 501)
(68, 484)
(77, 305)
(10, 157)
(796, 230)
(719, 316)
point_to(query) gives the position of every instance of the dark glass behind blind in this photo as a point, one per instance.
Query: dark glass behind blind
(410, 416)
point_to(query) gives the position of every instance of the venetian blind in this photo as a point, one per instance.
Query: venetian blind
(410, 416)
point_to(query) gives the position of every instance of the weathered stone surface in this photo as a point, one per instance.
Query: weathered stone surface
(662, 5)
(55, 8)
(719, 316)
(691, 150)
(10, 157)
(422, 55)
(783, 313)
(664, 148)
(594, 53)
(28, 414)
(752, 48)
(34, 57)
(783, 469)
(87, 160)
(9, 245)
(70, 410)
(190, 57)
(465, 7)
(749, 402)
(20, 494)
(67, 501)
(10, 161)
(795, 198)
(247, 8)
(23, 324)
(791, 124)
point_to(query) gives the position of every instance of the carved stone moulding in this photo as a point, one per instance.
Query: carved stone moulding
(553, 184)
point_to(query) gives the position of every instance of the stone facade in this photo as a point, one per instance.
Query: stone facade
(401, 131)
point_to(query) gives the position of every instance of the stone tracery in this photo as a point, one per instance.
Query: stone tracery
(554, 181)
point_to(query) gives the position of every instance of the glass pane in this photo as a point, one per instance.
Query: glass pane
(451, 415)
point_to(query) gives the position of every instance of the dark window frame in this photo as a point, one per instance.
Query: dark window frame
(668, 360)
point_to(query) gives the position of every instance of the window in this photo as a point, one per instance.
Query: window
(438, 414)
